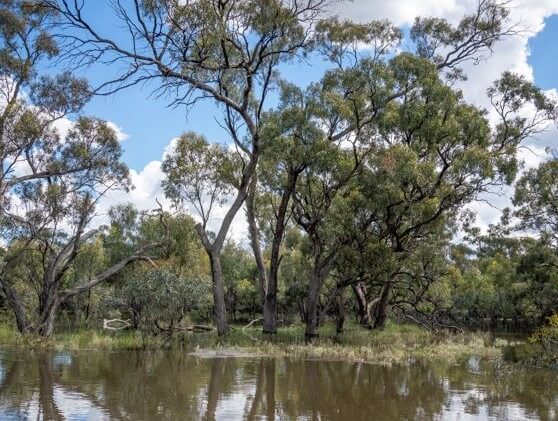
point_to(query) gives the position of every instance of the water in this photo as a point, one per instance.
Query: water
(172, 385)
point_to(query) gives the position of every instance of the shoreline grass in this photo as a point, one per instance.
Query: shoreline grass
(397, 344)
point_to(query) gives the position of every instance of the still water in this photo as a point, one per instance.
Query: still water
(173, 385)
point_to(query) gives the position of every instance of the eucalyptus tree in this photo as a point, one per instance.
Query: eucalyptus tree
(49, 179)
(291, 132)
(437, 153)
(225, 51)
(31, 102)
(353, 94)
(536, 200)
(47, 227)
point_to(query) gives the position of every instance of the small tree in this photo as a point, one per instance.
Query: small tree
(48, 228)
(159, 299)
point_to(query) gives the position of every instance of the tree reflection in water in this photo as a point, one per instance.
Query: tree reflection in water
(172, 385)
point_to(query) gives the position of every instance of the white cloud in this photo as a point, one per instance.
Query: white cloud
(64, 125)
(400, 12)
(120, 134)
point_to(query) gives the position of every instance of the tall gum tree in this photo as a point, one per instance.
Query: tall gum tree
(225, 51)
(437, 153)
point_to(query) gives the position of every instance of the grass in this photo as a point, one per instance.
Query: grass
(79, 340)
(395, 345)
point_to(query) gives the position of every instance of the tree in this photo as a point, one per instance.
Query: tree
(536, 200)
(225, 51)
(159, 299)
(49, 227)
(352, 97)
(30, 147)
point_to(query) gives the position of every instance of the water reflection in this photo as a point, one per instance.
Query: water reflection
(172, 385)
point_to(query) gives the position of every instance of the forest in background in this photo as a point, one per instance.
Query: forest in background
(355, 188)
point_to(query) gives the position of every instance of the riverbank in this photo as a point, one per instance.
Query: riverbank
(396, 344)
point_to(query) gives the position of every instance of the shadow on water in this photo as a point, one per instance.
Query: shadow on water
(168, 384)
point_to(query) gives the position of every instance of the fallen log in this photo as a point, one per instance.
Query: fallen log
(124, 324)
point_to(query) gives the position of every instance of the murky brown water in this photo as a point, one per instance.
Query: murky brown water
(171, 385)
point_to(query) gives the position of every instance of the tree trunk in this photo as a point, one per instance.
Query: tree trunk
(312, 305)
(17, 307)
(47, 313)
(362, 306)
(268, 282)
(270, 302)
(382, 307)
(269, 309)
(340, 304)
(219, 307)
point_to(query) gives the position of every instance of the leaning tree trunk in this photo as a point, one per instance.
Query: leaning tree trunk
(269, 282)
(270, 301)
(258, 256)
(17, 307)
(219, 307)
(382, 307)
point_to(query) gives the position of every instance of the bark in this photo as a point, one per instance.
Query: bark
(382, 307)
(255, 238)
(219, 307)
(268, 282)
(47, 315)
(49, 299)
(213, 248)
(340, 310)
(270, 302)
(17, 307)
(320, 270)
(359, 290)
(312, 304)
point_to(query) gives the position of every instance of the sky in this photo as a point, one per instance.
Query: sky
(146, 125)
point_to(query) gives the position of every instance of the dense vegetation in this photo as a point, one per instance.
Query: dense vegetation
(355, 187)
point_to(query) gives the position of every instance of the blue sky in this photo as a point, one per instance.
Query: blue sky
(544, 54)
(148, 120)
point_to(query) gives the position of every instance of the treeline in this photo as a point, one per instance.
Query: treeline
(353, 187)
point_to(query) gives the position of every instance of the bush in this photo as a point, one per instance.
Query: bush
(159, 299)
(547, 338)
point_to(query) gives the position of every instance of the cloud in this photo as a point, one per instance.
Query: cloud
(120, 134)
(64, 125)
(400, 12)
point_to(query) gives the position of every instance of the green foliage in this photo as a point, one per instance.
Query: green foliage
(160, 299)
(547, 338)
(199, 173)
